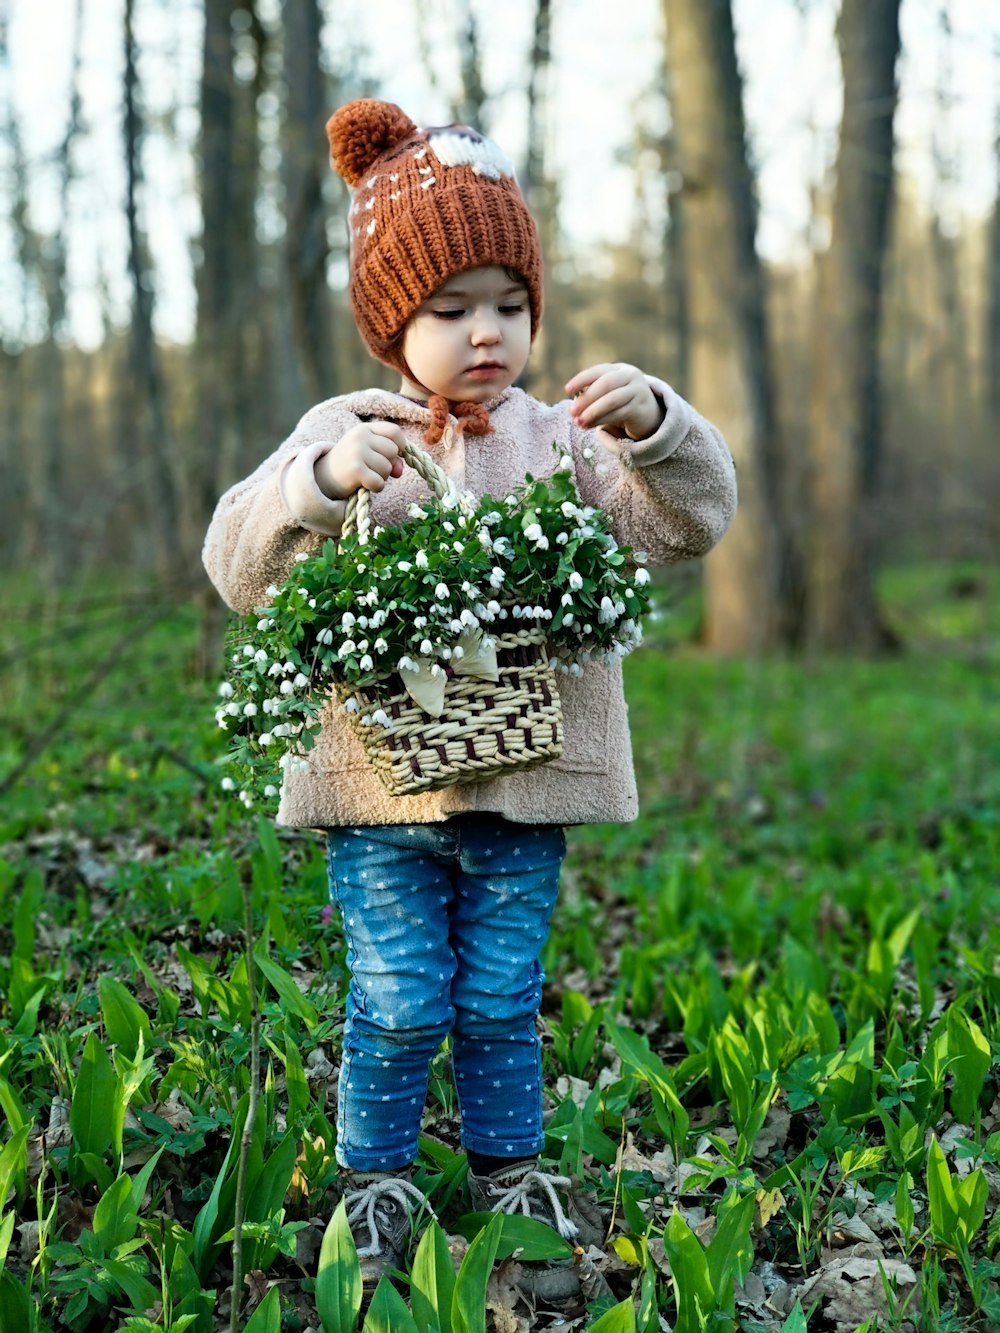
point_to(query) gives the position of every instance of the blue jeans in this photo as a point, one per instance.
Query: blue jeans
(444, 925)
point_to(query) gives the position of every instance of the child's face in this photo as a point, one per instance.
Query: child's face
(471, 339)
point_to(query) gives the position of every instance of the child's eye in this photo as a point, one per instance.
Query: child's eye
(512, 309)
(449, 314)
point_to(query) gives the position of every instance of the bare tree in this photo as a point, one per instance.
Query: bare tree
(144, 391)
(749, 581)
(993, 301)
(470, 109)
(846, 427)
(303, 171)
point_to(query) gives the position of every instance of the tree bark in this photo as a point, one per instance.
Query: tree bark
(750, 584)
(147, 423)
(845, 444)
(304, 168)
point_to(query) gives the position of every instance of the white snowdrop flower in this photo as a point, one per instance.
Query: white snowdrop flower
(366, 720)
(303, 592)
(493, 608)
(426, 648)
(437, 670)
(458, 652)
(641, 576)
(588, 453)
(555, 664)
(371, 599)
(264, 623)
(407, 664)
(565, 464)
(469, 619)
(485, 540)
(260, 655)
(516, 612)
(325, 636)
(346, 648)
(312, 605)
(272, 591)
(233, 709)
(351, 705)
(366, 662)
(404, 566)
(588, 628)
(575, 669)
(287, 687)
(467, 588)
(569, 509)
(446, 654)
(246, 798)
(226, 690)
(362, 645)
(448, 527)
(455, 626)
(236, 659)
(421, 559)
(542, 544)
(300, 681)
(419, 622)
(441, 592)
(414, 510)
(381, 717)
(284, 761)
(496, 577)
(566, 600)
(606, 614)
(248, 650)
(501, 546)
(250, 710)
(269, 790)
(380, 645)
(575, 581)
(228, 784)
(569, 618)
(457, 546)
(347, 620)
(510, 501)
(266, 737)
(220, 717)
(533, 531)
(562, 538)
(302, 555)
(619, 607)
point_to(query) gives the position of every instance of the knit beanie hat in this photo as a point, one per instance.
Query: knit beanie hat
(427, 204)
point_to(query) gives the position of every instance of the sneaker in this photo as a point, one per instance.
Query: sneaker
(524, 1188)
(381, 1207)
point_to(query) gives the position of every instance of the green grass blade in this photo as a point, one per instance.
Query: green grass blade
(91, 1115)
(432, 1281)
(267, 1316)
(387, 1312)
(468, 1307)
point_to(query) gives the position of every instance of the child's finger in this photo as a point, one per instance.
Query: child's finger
(584, 378)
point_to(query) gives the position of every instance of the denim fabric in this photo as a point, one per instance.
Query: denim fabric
(444, 925)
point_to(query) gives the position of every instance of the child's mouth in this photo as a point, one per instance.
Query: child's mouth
(485, 370)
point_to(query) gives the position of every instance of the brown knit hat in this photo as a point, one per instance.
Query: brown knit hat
(427, 204)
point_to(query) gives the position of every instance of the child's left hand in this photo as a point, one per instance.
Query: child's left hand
(615, 396)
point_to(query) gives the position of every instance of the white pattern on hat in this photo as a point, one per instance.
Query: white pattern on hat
(455, 149)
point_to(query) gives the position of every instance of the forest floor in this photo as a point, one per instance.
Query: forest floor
(771, 1025)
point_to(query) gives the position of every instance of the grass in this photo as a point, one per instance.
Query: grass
(771, 1021)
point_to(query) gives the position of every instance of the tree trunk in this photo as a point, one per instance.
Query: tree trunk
(304, 168)
(147, 429)
(471, 109)
(993, 303)
(749, 578)
(845, 442)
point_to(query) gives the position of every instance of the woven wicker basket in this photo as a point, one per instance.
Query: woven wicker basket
(486, 728)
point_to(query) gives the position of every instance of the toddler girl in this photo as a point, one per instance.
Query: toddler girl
(446, 896)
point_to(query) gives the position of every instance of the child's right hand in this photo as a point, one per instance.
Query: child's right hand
(367, 456)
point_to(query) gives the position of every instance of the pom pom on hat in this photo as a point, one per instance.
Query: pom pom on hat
(360, 132)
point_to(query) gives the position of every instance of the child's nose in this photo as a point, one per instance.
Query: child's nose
(486, 328)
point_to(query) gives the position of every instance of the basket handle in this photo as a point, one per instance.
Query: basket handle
(358, 513)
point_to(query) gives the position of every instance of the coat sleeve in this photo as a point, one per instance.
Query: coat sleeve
(262, 522)
(672, 495)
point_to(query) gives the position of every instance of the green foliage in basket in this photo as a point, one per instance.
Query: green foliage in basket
(422, 594)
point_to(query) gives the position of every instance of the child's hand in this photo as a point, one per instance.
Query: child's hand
(367, 456)
(615, 396)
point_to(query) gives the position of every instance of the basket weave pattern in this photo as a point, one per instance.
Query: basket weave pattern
(487, 728)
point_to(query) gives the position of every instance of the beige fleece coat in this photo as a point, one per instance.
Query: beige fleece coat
(671, 495)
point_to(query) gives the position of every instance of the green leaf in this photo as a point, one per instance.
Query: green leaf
(969, 1060)
(14, 1163)
(468, 1307)
(690, 1276)
(619, 1319)
(15, 1312)
(91, 1115)
(387, 1312)
(267, 1316)
(115, 1217)
(290, 995)
(124, 1020)
(941, 1198)
(796, 1321)
(338, 1278)
(432, 1281)
(6, 1231)
(140, 1292)
(534, 1240)
(730, 1253)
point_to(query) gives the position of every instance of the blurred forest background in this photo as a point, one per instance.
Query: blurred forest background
(857, 379)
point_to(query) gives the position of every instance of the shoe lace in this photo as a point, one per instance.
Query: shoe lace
(374, 1206)
(519, 1197)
